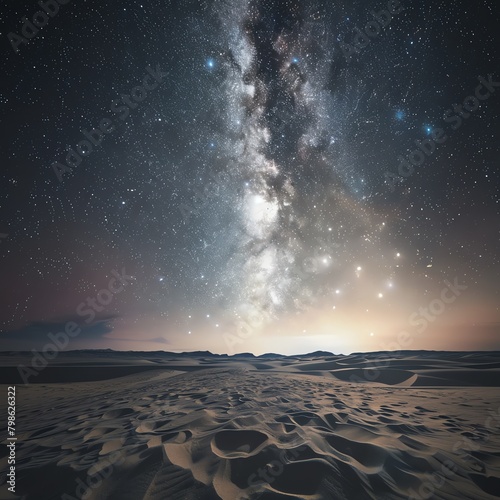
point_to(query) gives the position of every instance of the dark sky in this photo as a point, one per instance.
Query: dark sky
(258, 183)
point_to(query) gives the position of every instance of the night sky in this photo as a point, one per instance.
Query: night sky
(268, 178)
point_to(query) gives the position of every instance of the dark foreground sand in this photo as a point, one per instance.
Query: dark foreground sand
(419, 425)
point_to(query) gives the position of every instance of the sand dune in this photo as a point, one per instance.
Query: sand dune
(269, 429)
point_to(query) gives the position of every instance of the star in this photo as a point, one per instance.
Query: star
(255, 162)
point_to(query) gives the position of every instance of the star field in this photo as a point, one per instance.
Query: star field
(246, 173)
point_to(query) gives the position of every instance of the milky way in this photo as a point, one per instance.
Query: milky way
(282, 122)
